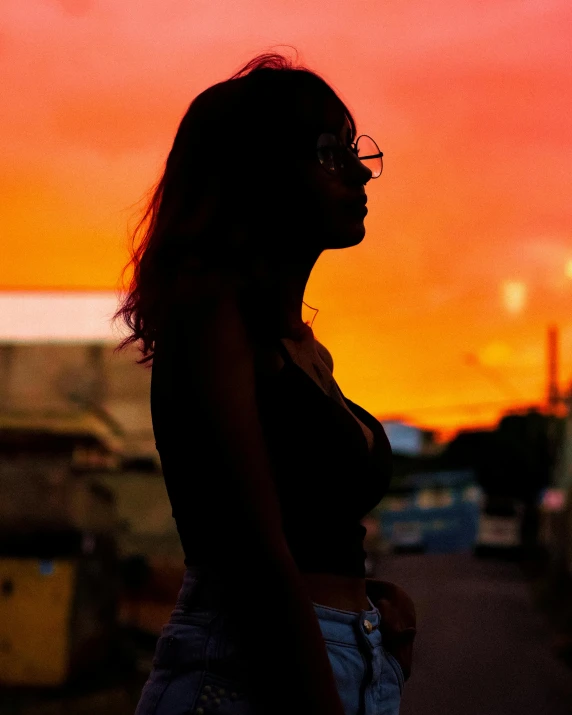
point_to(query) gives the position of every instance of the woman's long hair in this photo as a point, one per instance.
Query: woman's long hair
(223, 186)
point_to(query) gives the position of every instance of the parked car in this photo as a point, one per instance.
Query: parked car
(375, 545)
(432, 513)
(500, 526)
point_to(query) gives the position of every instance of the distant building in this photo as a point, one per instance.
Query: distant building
(408, 440)
(403, 438)
(67, 378)
(46, 463)
(75, 423)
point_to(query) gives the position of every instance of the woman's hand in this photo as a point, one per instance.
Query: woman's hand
(398, 620)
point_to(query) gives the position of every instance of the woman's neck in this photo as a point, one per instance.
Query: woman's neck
(286, 285)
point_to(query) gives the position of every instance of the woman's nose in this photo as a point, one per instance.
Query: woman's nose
(358, 171)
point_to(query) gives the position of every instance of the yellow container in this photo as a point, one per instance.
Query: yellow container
(36, 601)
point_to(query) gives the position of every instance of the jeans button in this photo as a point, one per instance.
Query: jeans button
(367, 626)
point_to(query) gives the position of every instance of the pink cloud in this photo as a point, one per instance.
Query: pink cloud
(76, 8)
(470, 101)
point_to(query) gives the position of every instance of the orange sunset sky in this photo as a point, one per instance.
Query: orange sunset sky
(468, 249)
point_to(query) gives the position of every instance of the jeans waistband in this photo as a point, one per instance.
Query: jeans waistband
(347, 627)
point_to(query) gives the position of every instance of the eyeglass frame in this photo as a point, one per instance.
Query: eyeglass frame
(353, 148)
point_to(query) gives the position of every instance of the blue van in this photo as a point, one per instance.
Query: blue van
(432, 512)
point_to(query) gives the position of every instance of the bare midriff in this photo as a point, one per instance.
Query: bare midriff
(346, 593)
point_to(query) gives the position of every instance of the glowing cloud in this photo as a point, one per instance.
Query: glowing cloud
(514, 296)
(470, 103)
(495, 354)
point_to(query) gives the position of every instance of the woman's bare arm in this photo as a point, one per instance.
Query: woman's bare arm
(234, 517)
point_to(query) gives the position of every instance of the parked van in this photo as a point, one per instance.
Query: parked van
(432, 512)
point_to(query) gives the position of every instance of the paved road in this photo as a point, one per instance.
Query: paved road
(482, 648)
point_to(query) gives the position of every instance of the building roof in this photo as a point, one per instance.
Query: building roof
(54, 432)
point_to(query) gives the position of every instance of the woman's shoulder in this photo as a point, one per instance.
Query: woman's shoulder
(201, 328)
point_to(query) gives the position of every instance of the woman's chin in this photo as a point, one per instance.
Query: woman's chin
(352, 236)
(343, 234)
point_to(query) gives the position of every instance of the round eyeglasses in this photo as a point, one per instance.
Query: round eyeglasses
(333, 154)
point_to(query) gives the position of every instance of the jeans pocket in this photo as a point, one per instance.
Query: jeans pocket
(153, 690)
(160, 676)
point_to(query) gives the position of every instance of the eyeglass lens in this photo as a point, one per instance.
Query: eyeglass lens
(369, 154)
(332, 154)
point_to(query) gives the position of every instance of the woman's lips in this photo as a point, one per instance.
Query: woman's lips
(358, 209)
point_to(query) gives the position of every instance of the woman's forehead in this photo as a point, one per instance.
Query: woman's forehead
(335, 118)
(342, 129)
(324, 111)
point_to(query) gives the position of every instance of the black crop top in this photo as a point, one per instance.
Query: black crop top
(327, 479)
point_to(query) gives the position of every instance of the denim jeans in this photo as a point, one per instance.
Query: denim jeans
(195, 669)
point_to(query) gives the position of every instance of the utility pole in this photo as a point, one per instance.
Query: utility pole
(552, 392)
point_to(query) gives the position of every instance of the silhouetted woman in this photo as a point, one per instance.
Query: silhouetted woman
(269, 468)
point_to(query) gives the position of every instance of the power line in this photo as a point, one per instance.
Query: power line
(493, 375)
(469, 406)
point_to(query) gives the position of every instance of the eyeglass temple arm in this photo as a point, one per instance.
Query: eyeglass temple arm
(371, 156)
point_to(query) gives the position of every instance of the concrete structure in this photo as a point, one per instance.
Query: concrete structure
(97, 402)
(80, 378)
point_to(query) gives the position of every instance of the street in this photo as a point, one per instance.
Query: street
(481, 648)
